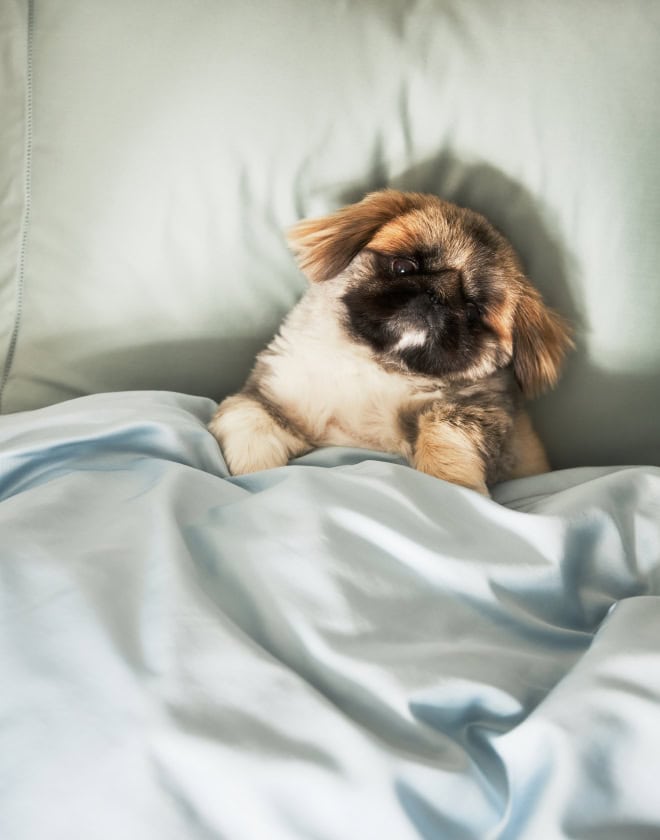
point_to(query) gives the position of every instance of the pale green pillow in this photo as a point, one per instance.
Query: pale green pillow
(167, 144)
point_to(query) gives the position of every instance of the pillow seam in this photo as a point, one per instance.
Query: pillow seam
(27, 210)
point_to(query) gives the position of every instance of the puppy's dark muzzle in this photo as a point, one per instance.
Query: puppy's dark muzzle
(424, 308)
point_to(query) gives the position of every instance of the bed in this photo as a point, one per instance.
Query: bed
(342, 647)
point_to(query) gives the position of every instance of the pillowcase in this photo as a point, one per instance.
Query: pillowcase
(153, 153)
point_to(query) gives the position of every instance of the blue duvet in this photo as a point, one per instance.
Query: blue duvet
(342, 648)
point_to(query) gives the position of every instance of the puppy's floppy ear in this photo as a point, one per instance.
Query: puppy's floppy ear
(325, 246)
(541, 339)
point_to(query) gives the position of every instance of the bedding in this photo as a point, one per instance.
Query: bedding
(340, 648)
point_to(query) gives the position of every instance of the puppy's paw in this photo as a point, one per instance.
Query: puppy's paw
(250, 438)
(448, 452)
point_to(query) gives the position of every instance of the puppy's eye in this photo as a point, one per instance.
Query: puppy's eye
(403, 265)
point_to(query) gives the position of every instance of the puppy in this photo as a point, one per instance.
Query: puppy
(419, 335)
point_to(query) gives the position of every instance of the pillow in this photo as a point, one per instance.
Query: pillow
(153, 152)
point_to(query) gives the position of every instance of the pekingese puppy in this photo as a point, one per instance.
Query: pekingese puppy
(419, 335)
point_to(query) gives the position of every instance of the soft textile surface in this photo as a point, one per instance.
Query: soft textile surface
(342, 648)
(152, 152)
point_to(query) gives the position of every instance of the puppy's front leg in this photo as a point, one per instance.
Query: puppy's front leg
(251, 438)
(447, 451)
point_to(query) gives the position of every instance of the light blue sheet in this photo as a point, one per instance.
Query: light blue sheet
(342, 648)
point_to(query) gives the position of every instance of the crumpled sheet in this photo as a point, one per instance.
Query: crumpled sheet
(341, 648)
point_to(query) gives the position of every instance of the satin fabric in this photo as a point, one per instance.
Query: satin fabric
(339, 648)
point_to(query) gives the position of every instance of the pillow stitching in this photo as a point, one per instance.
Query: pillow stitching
(27, 212)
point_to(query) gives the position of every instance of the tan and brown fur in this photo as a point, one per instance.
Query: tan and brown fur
(419, 335)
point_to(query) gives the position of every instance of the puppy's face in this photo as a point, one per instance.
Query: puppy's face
(428, 290)
(433, 288)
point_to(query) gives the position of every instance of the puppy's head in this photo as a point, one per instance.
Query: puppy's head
(434, 288)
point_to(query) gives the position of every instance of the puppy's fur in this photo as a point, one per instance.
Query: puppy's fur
(419, 335)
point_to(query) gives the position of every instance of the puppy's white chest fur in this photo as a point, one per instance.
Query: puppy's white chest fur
(332, 388)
